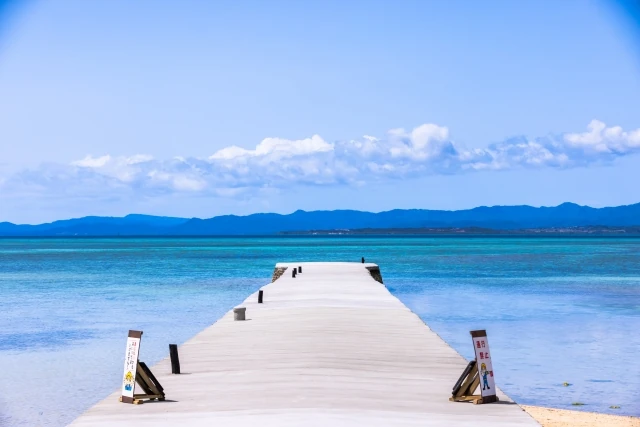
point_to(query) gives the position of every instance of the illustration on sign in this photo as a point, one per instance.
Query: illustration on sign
(128, 381)
(483, 374)
(483, 360)
(131, 364)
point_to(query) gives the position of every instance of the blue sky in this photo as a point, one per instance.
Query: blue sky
(207, 108)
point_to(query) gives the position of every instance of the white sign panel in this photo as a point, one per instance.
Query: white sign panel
(130, 365)
(483, 361)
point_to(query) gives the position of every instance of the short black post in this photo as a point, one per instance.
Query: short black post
(293, 273)
(300, 269)
(363, 260)
(175, 362)
(260, 293)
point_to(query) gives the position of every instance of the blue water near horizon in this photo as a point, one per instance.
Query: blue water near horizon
(556, 309)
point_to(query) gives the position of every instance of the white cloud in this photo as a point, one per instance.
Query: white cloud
(92, 162)
(601, 139)
(277, 163)
(276, 148)
(138, 158)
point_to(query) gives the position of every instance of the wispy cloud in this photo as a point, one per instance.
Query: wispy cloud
(279, 163)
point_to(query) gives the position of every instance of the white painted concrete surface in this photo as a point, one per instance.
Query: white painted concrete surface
(331, 347)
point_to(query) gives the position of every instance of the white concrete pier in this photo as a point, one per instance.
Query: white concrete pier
(331, 347)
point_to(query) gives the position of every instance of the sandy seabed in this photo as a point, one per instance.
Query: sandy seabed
(548, 417)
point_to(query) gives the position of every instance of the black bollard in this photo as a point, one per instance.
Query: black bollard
(260, 296)
(300, 269)
(293, 273)
(175, 362)
(363, 260)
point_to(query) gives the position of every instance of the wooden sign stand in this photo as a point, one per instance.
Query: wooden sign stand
(471, 377)
(148, 383)
(141, 375)
(467, 385)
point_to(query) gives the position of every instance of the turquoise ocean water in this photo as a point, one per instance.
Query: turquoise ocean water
(556, 309)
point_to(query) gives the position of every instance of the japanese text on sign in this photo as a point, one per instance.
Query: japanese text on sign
(130, 365)
(485, 368)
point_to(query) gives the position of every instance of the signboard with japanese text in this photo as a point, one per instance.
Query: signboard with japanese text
(130, 366)
(483, 362)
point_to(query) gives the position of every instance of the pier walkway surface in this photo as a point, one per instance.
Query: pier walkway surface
(331, 347)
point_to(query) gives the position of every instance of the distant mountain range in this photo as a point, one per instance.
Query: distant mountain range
(494, 217)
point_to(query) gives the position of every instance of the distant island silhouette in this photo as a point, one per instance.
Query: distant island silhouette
(567, 218)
